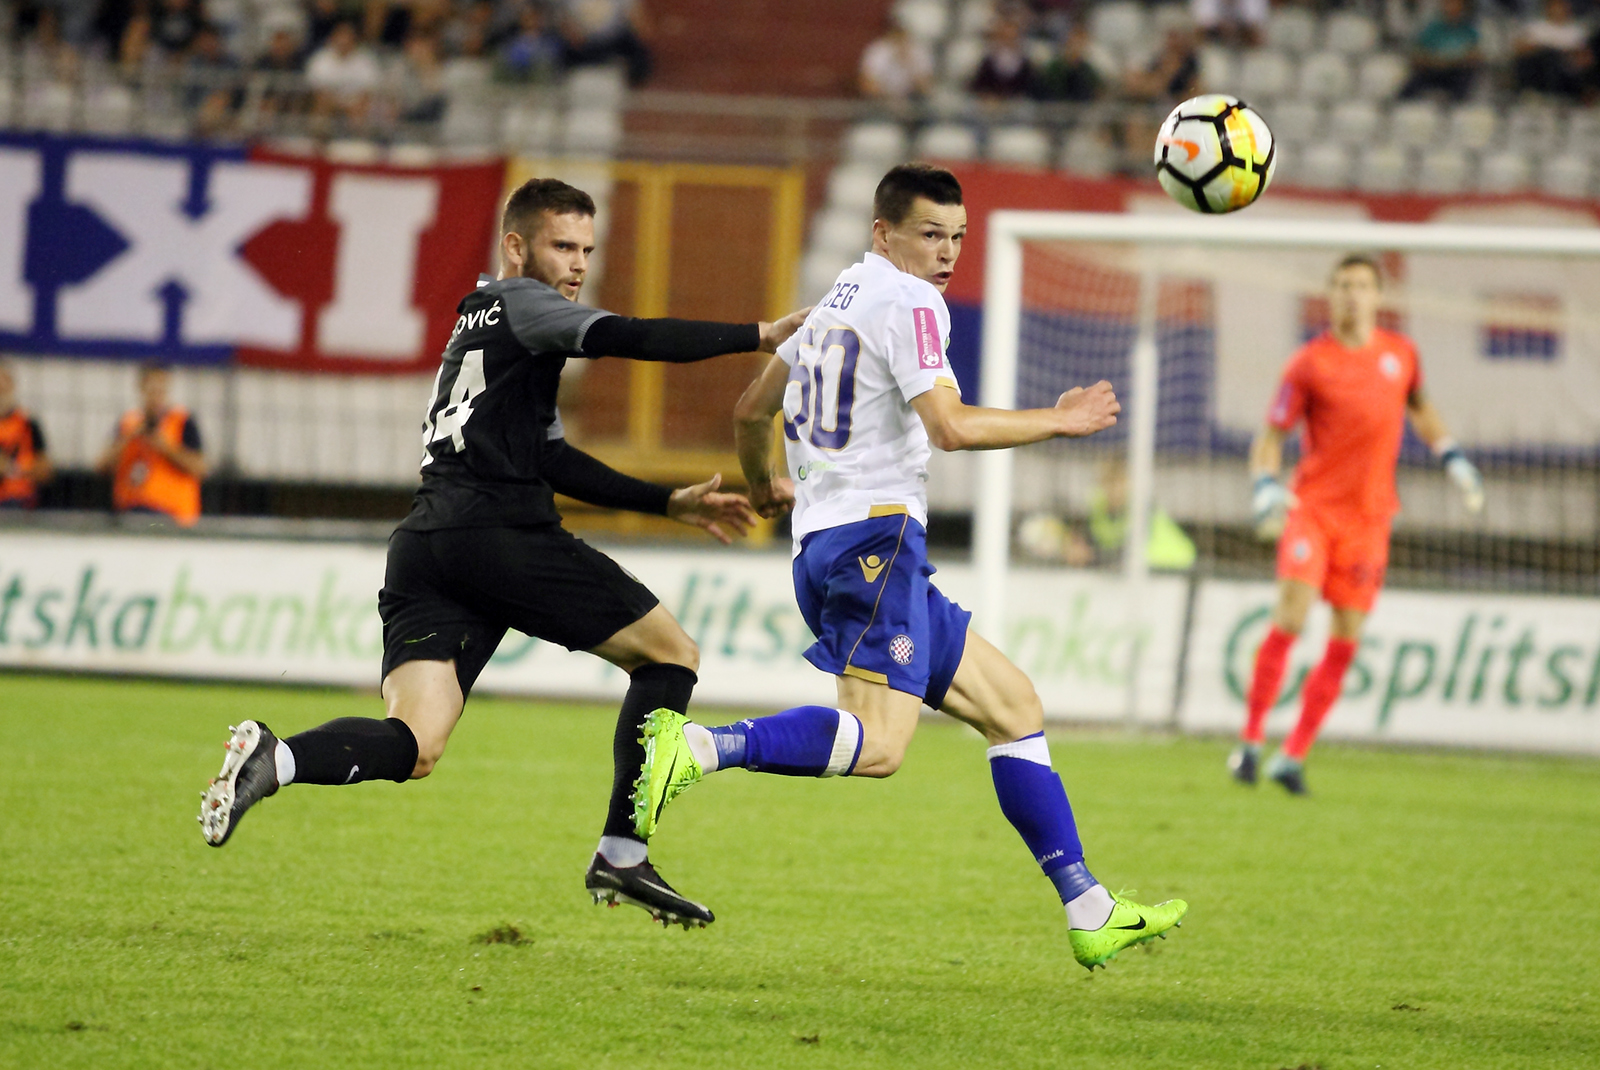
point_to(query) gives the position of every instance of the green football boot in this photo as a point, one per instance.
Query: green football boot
(1129, 924)
(669, 769)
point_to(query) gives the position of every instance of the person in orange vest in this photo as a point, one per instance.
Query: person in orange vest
(155, 461)
(24, 464)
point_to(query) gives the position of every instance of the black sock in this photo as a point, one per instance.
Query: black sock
(652, 687)
(352, 749)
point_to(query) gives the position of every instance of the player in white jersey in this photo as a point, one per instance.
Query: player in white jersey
(866, 391)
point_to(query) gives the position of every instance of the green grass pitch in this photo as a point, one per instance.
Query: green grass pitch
(1422, 910)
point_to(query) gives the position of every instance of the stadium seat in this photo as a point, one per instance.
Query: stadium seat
(1292, 29)
(1324, 77)
(1025, 145)
(819, 269)
(948, 101)
(1381, 76)
(947, 141)
(1355, 122)
(1218, 71)
(962, 55)
(526, 127)
(1414, 123)
(924, 20)
(1533, 127)
(468, 123)
(879, 144)
(841, 232)
(412, 154)
(1349, 32)
(1265, 74)
(1118, 23)
(1473, 126)
(1087, 152)
(1444, 170)
(47, 106)
(1296, 122)
(973, 18)
(1324, 166)
(1504, 172)
(852, 185)
(8, 102)
(109, 109)
(1583, 132)
(1384, 169)
(1165, 17)
(1567, 176)
(591, 131)
(596, 87)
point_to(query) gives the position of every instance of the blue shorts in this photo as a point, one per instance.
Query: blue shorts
(863, 590)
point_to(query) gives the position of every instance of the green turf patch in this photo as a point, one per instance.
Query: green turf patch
(1421, 910)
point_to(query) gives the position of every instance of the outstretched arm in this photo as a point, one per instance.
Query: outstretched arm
(1430, 427)
(682, 341)
(770, 493)
(576, 474)
(954, 425)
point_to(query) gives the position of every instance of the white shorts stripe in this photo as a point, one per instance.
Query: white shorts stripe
(846, 741)
(1031, 749)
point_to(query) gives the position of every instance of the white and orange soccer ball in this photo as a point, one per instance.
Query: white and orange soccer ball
(1215, 154)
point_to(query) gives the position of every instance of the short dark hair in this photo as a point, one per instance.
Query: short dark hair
(1366, 260)
(150, 367)
(537, 196)
(905, 183)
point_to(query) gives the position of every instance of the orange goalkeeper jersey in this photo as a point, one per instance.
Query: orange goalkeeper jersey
(1353, 402)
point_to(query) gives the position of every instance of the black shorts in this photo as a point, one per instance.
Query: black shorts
(451, 594)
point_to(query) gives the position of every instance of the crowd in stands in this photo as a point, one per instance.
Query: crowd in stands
(1042, 50)
(332, 57)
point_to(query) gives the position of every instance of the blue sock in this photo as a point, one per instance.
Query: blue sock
(803, 741)
(1033, 800)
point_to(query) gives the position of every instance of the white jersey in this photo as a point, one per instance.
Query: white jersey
(856, 447)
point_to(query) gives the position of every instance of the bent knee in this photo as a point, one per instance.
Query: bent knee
(428, 754)
(880, 760)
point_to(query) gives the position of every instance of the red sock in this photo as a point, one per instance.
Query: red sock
(1322, 691)
(1271, 656)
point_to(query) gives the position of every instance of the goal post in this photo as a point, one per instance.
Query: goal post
(1147, 252)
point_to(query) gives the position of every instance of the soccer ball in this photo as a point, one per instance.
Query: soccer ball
(1215, 154)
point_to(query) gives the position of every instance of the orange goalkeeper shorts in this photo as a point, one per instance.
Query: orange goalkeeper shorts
(1344, 557)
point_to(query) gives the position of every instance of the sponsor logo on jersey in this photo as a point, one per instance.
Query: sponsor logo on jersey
(871, 566)
(1389, 365)
(902, 649)
(930, 354)
(1300, 550)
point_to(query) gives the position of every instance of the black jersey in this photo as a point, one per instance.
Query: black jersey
(492, 419)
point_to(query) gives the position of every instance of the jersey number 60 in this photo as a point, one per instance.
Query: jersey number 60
(812, 410)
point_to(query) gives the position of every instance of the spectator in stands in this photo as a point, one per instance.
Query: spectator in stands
(24, 463)
(136, 53)
(1005, 71)
(174, 26)
(421, 89)
(1170, 77)
(322, 16)
(1241, 22)
(1069, 76)
(156, 461)
(213, 92)
(1445, 57)
(896, 67)
(535, 53)
(280, 62)
(598, 31)
(1552, 54)
(342, 75)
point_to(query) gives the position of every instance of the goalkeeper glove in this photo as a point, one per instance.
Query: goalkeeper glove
(1270, 501)
(1463, 473)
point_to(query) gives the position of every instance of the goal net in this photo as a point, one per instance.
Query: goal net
(1192, 320)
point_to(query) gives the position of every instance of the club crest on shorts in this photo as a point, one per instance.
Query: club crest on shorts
(902, 649)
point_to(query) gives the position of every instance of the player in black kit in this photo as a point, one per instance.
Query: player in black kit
(483, 548)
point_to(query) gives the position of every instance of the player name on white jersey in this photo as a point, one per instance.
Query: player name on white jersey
(856, 447)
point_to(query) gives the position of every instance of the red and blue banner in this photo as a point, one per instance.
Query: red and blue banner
(204, 254)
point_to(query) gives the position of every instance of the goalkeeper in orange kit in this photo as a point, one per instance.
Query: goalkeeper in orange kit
(1353, 387)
